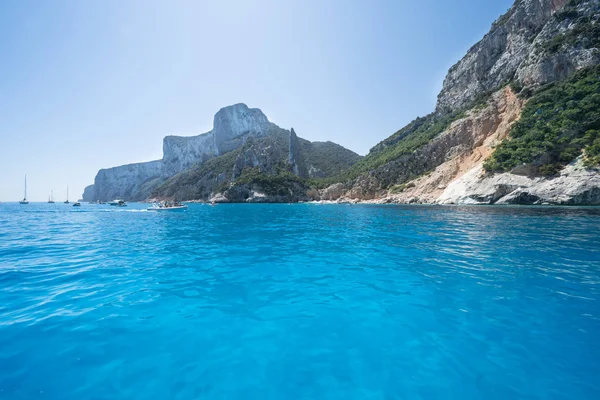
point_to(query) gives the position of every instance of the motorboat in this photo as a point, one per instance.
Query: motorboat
(77, 204)
(166, 206)
(118, 203)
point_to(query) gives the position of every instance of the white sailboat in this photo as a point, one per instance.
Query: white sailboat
(24, 201)
(51, 197)
(67, 201)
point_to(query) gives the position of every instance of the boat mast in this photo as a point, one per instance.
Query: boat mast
(25, 194)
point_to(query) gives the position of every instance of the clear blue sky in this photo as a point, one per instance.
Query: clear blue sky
(93, 84)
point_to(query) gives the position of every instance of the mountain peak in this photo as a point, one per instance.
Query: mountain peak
(237, 120)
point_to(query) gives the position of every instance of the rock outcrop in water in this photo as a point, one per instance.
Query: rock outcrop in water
(257, 143)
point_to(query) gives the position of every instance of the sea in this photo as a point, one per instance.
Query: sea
(299, 301)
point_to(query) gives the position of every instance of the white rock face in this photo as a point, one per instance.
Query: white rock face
(232, 126)
(514, 49)
(575, 185)
(124, 181)
(181, 152)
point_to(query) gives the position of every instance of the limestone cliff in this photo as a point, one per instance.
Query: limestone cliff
(295, 156)
(422, 175)
(440, 158)
(522, 47)
(575, 185)
(232, 126)
(247, 132)
(269, 168)
(88, 193)
(127, 182)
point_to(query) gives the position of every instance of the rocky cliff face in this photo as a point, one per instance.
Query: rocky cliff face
(88, 193)
(243, 136)
(421, 176)
(267, 168)
(295, 156)
(461, 179)
(519, 49)
(127, 181)
(575, 185)
(181, 152)
(435, 159)
(535, 43)
(232, 126)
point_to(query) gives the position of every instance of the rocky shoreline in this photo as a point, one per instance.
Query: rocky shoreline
(575, 186)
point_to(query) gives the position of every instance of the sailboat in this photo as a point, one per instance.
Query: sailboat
(24, 201)
(67, 201)
(51, 197)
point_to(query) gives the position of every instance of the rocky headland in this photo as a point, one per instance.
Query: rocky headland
(242, 153)
(517, 122)
(538, 65)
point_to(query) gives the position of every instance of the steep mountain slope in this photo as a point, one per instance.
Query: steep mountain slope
(241, 138)
(269, 168)
(553, 153)
(537, 65)
(536, 43)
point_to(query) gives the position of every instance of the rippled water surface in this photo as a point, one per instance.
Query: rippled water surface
(299, 302)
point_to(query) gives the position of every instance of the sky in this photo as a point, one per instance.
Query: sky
(86, 85)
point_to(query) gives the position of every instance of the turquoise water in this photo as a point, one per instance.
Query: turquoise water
(299, 302)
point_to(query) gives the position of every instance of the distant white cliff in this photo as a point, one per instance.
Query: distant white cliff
(232, 126)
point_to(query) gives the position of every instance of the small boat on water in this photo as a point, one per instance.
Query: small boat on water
(77, 204)
(67, 201)
(24, 201)
(118, 203)
(51, 197)
(166, 206)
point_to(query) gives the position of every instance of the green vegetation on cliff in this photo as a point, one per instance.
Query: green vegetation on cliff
(197, 181)
(261, 162)
(557, 123)
(583, 31)
(328, 157)
(280, 183)
(416, 134)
